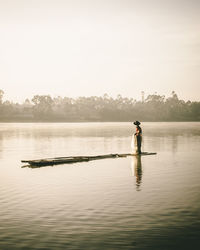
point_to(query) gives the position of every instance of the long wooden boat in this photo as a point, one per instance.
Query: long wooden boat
(74, 159)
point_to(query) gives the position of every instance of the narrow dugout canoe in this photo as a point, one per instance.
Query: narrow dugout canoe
(74, 159)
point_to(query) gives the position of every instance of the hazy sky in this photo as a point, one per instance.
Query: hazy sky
(91, 47)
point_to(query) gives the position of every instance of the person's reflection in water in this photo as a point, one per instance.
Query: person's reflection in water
(137, 170)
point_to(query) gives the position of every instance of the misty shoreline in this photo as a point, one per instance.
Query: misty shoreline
(153, 108)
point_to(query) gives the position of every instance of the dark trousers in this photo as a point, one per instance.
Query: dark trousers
(139, 144)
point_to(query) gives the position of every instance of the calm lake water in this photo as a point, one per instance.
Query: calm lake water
(152, 202)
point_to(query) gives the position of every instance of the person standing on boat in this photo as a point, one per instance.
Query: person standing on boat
(138, 138)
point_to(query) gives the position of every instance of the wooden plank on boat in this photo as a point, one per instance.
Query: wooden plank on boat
(75, 159)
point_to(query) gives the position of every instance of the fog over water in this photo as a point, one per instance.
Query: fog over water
(74, 75)
(147, 202)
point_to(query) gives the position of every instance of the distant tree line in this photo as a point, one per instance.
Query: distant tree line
(44, 108)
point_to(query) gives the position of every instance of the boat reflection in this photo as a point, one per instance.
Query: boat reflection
(136, 167)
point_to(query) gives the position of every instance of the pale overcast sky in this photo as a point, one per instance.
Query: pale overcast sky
(91, 47)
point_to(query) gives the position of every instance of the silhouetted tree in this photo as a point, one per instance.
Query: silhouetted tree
(42, 106)
(1, 96)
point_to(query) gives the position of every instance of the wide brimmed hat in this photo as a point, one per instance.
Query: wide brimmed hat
(136, 123)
